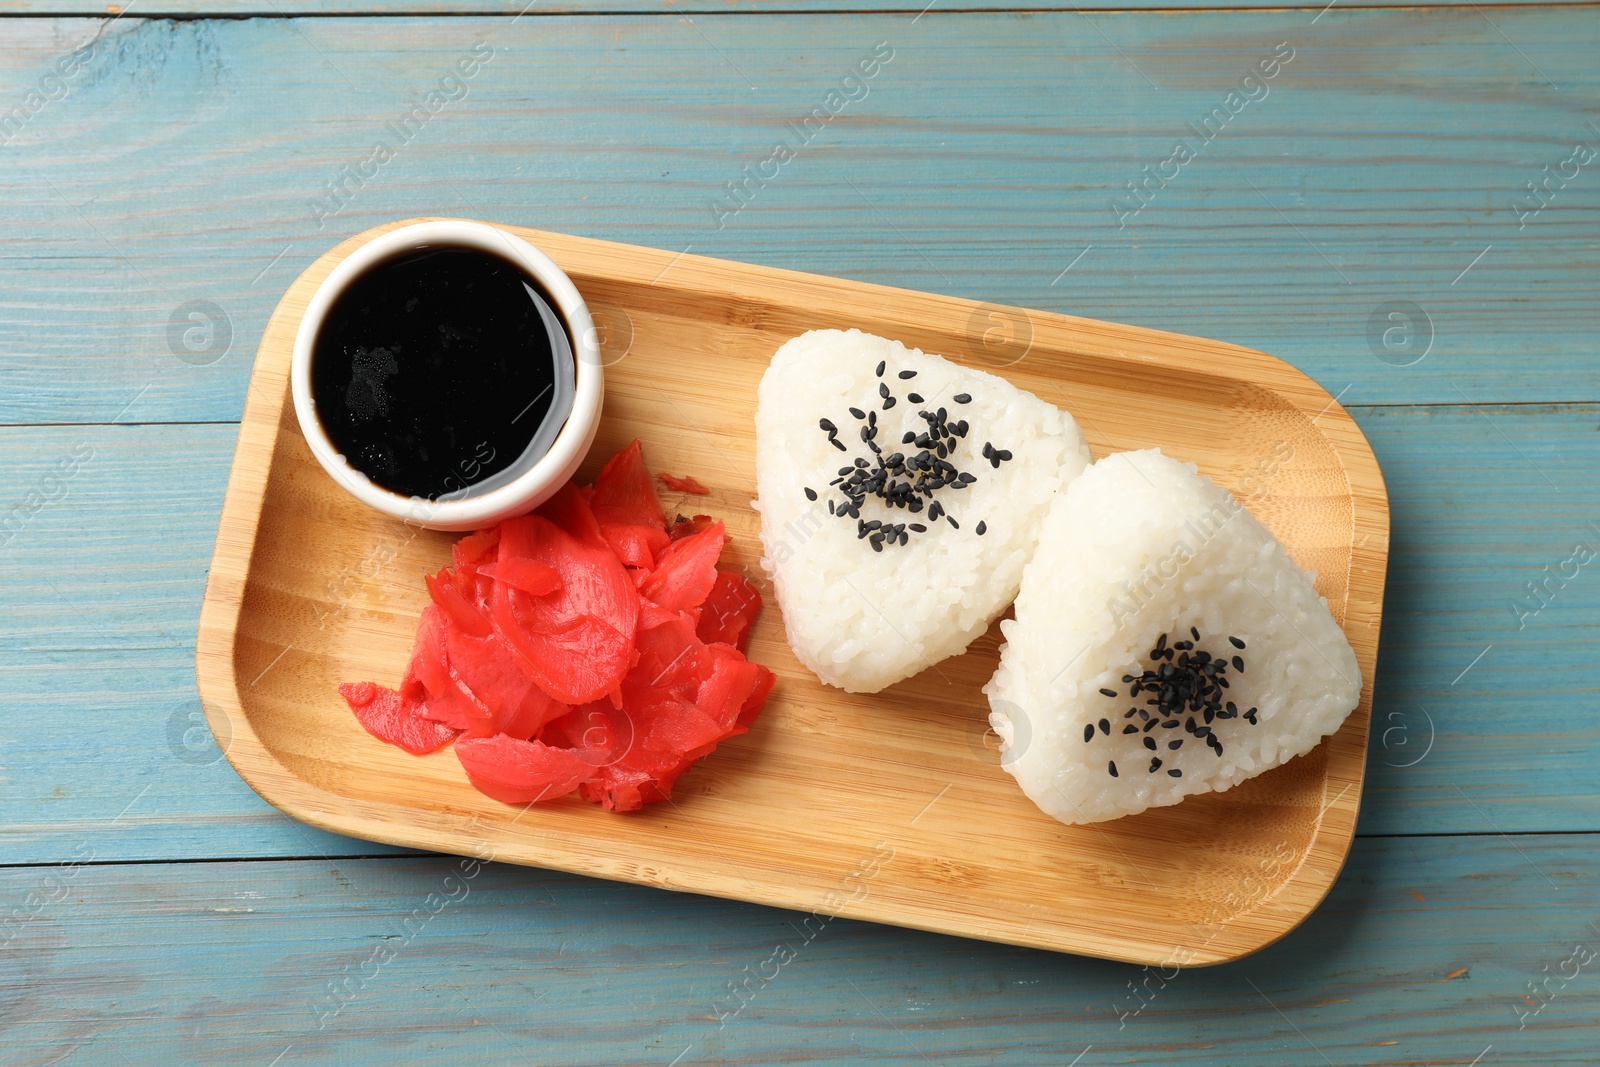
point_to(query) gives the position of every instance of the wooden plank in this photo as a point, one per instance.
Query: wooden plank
(676, 9)
(668, 8)
(1291, 230)
(108, 652)
(1424, 953)
(1489, 619)
(105, 539)
(107, 749)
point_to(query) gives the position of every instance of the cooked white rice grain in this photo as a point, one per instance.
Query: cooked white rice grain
(864, 619)
(1139, 546)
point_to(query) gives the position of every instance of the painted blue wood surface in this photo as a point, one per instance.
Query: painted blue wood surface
(1380, 169)
(1478, 721)
(1424, 953)
(184, 162)
(669, 8)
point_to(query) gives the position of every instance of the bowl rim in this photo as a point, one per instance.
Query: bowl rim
(536, 478)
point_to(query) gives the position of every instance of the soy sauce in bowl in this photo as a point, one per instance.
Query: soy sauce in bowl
(437, 370)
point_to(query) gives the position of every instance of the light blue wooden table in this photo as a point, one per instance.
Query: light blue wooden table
(1408, 209)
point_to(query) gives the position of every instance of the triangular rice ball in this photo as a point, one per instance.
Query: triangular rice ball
(1106, 701)
(960, 466)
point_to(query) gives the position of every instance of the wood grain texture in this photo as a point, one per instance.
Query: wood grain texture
(1467, 536)
(1396, 151)
(982, 163)
(291, 611)
(1421, 955)
(675, 9)
(107, 750)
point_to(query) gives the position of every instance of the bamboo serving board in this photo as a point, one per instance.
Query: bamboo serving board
(890, 807)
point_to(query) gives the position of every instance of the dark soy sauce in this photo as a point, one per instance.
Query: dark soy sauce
(439, 368)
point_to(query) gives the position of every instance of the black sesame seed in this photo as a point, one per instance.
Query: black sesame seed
(1112, 767)
(982, 527)
(888, 403)
(1155, 764)
(1088, 733)
(883, 390)
(1175, 773)
(1150, 743)
(915, 398)
(1110, 693)
(952, 521)
(882, 363)
(962, 398)
(858, 413)
(838, 444)
(877, 544)
(917, 526)
(831, 428)
(1105, 727)
(1238, 664)
(1194, 633)
(1236, 642)
(1175, 744)
(811, 494)
(1130, 729)
(905, 374)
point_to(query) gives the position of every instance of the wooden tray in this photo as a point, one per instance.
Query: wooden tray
(893, 807)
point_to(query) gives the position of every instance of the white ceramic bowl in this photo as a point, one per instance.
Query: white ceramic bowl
(527, 482)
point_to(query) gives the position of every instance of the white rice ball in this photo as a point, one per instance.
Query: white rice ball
(1139, 546)
(864, 619)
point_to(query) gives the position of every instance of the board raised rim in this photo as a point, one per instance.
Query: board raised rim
(710, 279)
